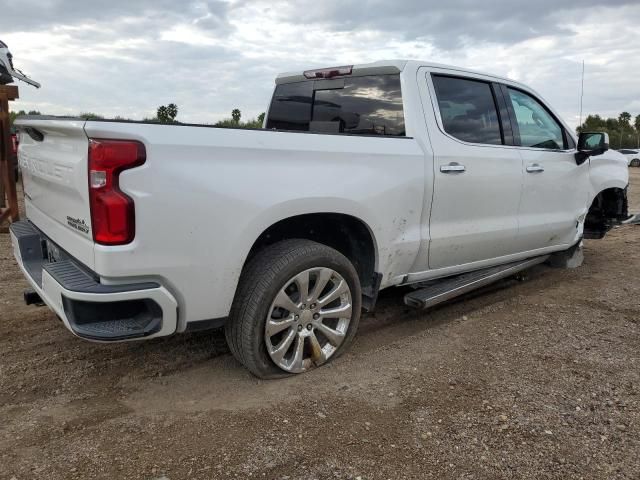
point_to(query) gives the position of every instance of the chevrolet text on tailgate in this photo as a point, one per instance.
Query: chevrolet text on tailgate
(364, 177)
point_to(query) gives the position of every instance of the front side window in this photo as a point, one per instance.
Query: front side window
(368, 105)
(468, 109)
(538, 129)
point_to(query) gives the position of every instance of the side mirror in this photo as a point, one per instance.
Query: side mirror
(591, 144)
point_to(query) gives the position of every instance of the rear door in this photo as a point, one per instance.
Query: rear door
(478, 175)
(555, 188)
(53, 159)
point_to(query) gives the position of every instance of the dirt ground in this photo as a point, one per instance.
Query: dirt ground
(535, 379)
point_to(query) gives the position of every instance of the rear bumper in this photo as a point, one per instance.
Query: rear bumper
(89, 308)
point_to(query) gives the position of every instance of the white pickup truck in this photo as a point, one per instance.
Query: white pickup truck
(364, 177)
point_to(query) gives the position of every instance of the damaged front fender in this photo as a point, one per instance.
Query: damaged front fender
(609, 208)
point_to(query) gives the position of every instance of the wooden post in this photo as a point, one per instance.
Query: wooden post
(3, 202)
(11, 212)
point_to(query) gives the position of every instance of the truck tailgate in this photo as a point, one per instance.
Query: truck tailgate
(53, 158)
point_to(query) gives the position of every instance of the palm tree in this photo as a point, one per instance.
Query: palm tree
(624, 119)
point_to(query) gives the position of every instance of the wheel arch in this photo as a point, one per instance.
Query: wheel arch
(346, 233)
(607, 208)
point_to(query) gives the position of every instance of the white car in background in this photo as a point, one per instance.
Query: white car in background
(632, 156)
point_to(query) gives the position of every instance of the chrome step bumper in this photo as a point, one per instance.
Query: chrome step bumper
(89, 308)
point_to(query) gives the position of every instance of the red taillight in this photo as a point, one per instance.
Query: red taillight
(112, 211)
(329, 72)
(14, 143)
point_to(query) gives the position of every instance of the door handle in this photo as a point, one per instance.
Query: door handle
(535, 168)
(453, 167)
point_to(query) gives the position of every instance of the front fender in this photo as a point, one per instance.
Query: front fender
(608, 170)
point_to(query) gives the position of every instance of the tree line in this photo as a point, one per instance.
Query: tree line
(622, 133)
(164, 114)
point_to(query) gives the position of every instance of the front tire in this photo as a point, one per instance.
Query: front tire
(635, 162)
(297, 307)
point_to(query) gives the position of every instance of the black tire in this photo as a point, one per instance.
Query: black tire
(635, 162)
(261, 279)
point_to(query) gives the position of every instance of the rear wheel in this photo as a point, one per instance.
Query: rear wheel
(297, 307)
(635, 162)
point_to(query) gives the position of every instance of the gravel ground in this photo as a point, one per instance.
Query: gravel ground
(532, 379)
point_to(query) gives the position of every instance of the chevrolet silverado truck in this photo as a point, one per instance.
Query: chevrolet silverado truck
(364, 177)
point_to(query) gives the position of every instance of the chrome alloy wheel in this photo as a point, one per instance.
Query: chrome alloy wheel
(308, 320)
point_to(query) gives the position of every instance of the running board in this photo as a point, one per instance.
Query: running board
(448, 288)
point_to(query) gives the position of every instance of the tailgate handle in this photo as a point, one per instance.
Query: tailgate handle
(34, 133)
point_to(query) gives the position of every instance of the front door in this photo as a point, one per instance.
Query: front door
(555, 188)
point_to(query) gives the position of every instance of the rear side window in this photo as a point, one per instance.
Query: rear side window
(370, 105)
(538, 128)
(468, 109)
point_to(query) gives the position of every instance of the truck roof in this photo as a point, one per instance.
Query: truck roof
(383, 67)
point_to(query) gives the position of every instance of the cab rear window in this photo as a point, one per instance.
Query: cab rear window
(369, 105)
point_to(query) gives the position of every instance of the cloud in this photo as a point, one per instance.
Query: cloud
(126, 58)
(450, 24)
(36, 15)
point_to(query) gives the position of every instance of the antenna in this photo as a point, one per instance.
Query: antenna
(581, 92)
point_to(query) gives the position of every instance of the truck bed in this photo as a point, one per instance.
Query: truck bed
(205, 194)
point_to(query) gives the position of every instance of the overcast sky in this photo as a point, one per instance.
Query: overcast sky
(125, 58)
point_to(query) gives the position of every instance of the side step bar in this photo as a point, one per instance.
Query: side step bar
(447, 288)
